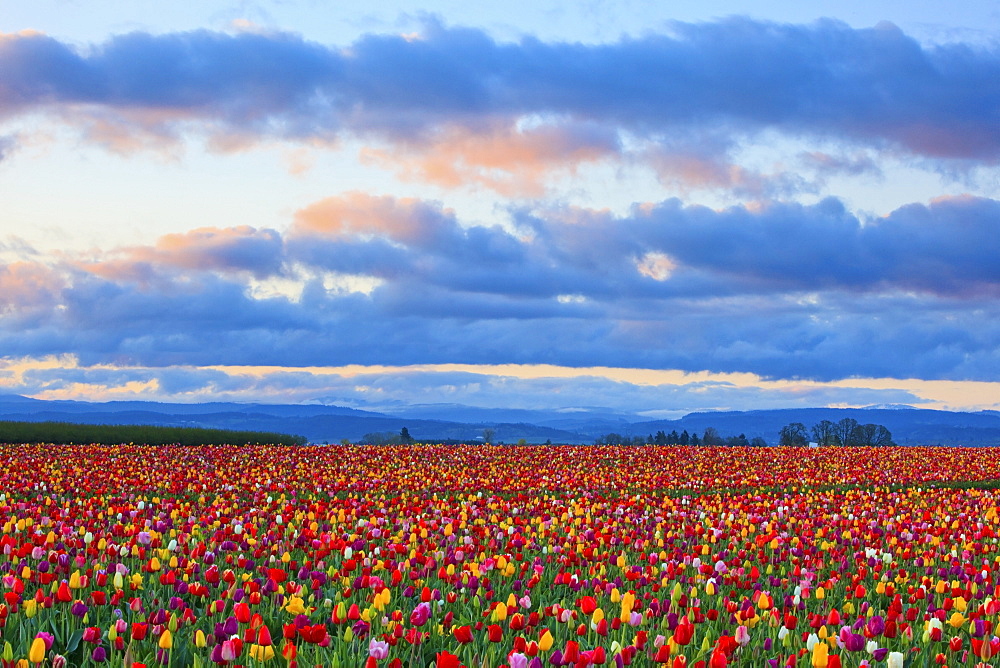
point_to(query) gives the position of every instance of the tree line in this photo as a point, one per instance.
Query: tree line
(710, 436)
(100, 434)
(847, 432)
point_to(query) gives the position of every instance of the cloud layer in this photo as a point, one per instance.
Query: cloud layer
(453, 105)
(650, 394)
(783, 290)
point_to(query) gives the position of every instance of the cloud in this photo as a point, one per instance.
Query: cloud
(8, 144)
(781, 290)
(512, 161)
(385, 388)
(28, 287)
(454, 102)
(243, 248)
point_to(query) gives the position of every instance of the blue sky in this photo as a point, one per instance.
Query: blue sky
(683, 207)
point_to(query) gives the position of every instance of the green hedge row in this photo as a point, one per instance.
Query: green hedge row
(106, 434)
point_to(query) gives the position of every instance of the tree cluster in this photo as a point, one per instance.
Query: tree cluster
(846, 432)
(711, 436)
(106, 434)
(388, 437)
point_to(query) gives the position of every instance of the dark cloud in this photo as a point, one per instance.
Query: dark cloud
(877, 86)
(947, 247)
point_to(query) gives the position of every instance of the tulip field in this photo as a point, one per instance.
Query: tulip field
(487, 556)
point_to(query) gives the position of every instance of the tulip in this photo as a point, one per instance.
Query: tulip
(36, 654)
(820, 655)
(516, 660)
(447, 660)
(718, 660)
(420, 614)
(463, 634)
(378, 649)
(261, 652)
(684, 631)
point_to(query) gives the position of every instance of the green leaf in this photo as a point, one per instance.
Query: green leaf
(74, 641)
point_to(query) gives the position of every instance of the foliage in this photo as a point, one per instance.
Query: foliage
(73, 433)
(793, 435)
(847, 432)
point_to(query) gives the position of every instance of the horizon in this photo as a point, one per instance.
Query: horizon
(652, 210)
(404, 410)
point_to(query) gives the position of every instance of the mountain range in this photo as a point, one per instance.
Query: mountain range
(322, 423)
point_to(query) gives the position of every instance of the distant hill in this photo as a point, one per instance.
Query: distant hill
(319, 423)
(327, 423)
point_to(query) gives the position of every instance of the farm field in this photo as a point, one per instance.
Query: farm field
(490, 556)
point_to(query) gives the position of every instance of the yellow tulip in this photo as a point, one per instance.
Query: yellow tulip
(295, 606)
(820, 655)
(261, 653)
(37, 652)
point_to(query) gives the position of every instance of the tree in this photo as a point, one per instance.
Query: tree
(673, 438)
(694, 439)
(872, 435)
(845, 431)
(711, 437)
(660, 438)
(793, 434)
(882, 437)
(522, 441)
(758, 442)
(684, 438)
(404, 435)
(825, 433)
(488, 434)
(737, 441)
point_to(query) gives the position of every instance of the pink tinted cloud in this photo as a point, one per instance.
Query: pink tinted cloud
(407, 221)
(26, 285)
(231, 249)
(504, 158)
(689, 169)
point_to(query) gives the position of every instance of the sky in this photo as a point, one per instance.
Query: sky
(656, 208)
